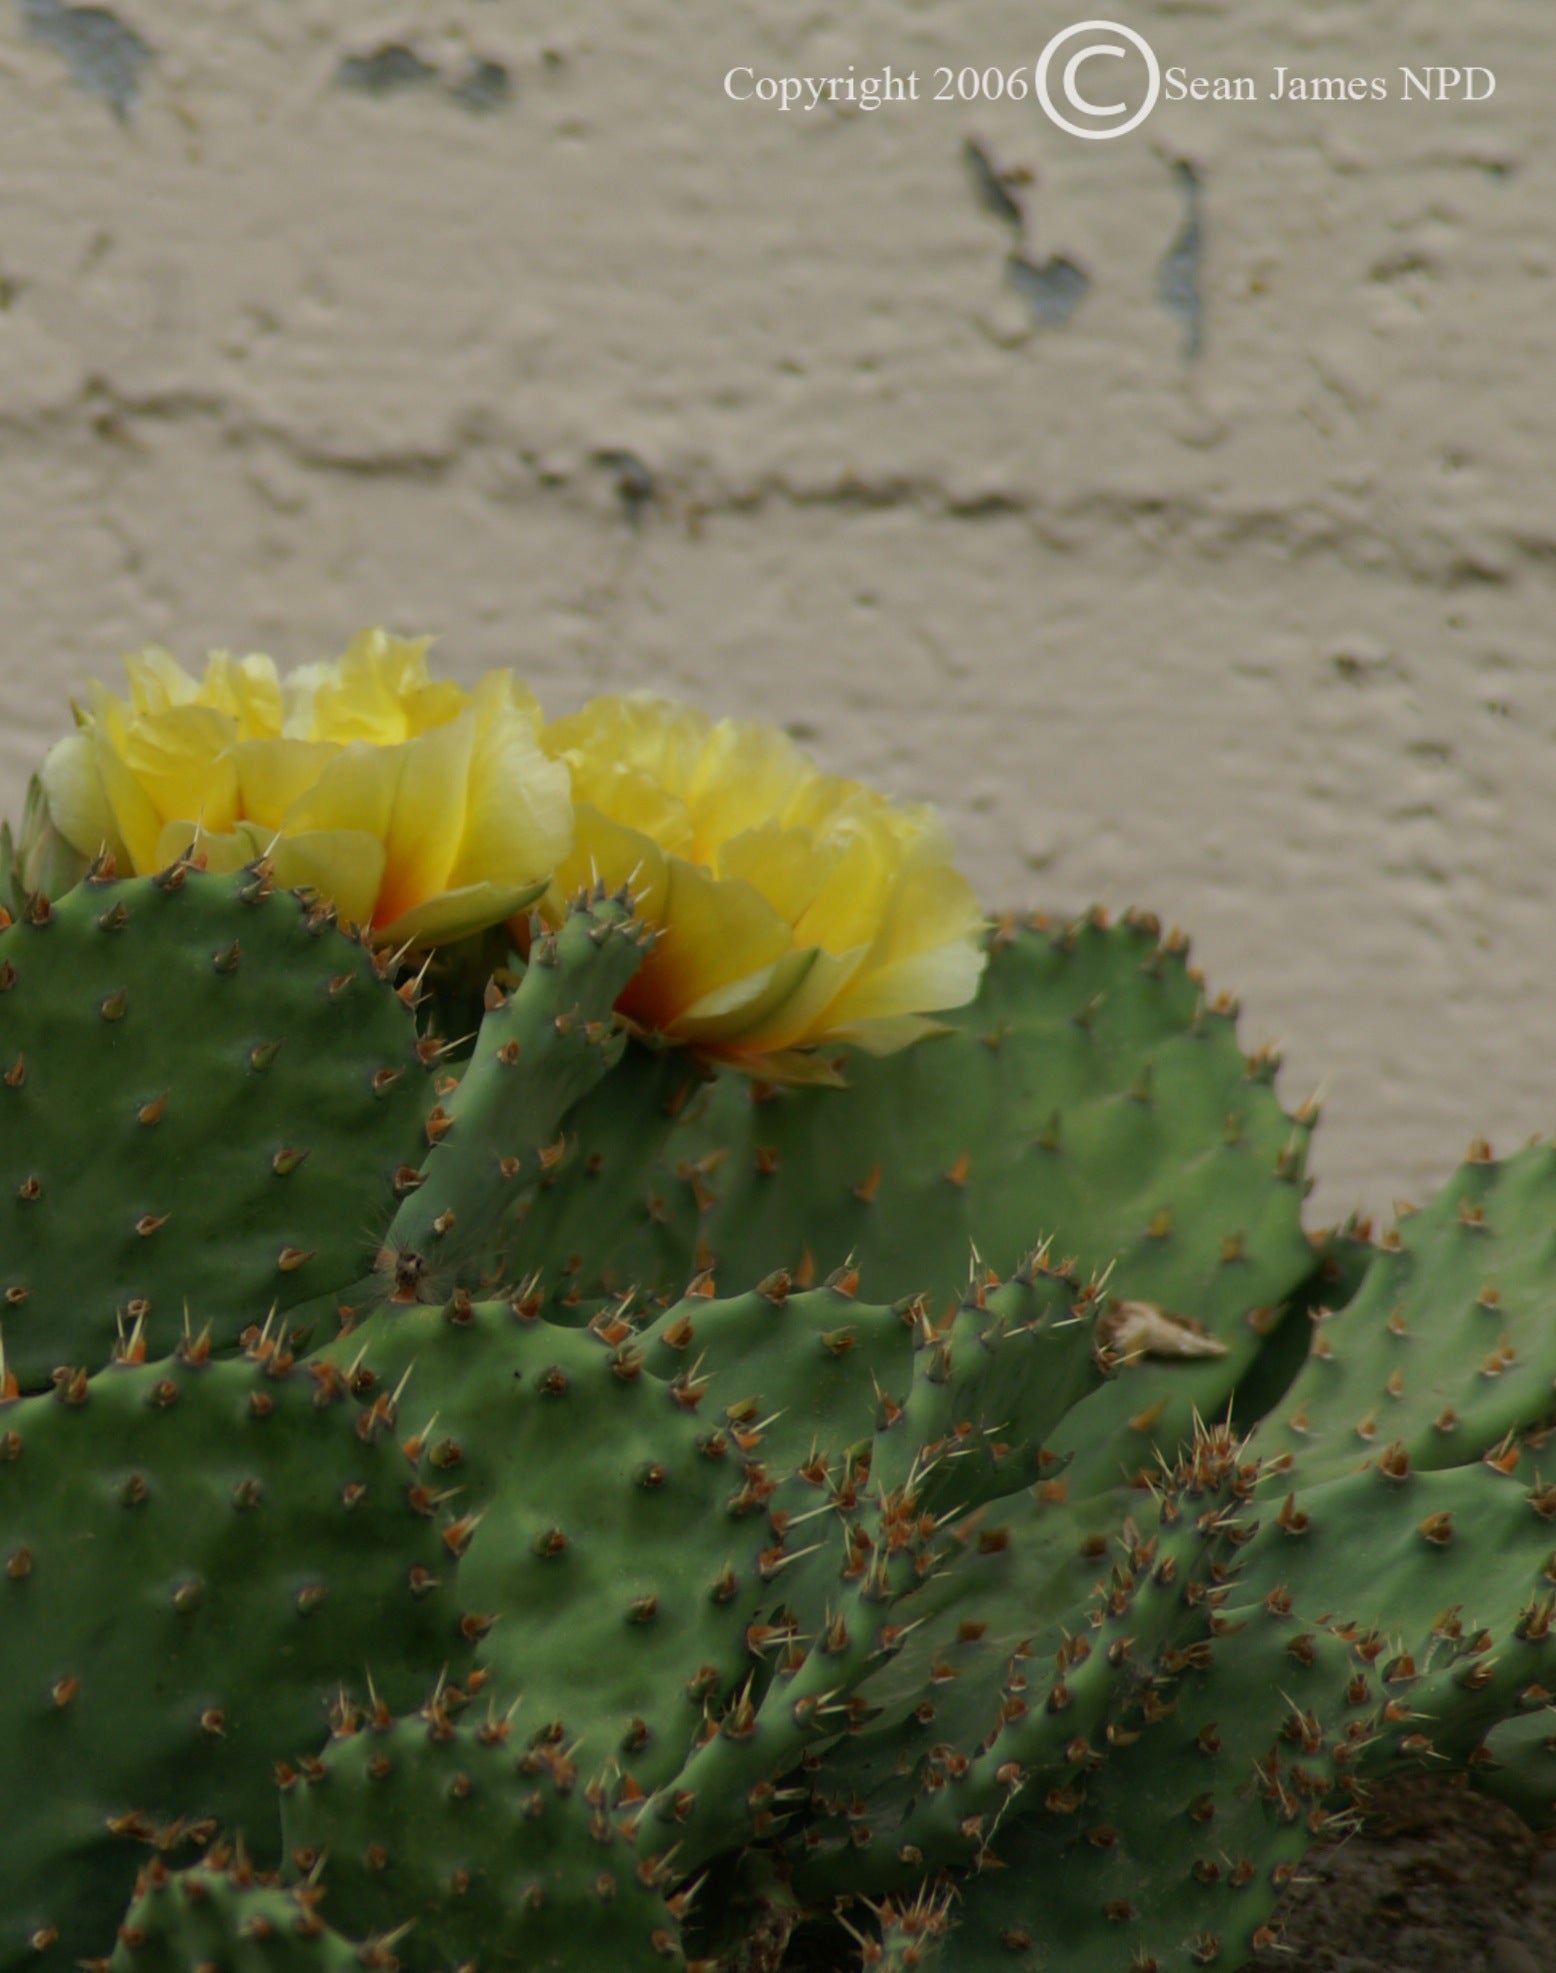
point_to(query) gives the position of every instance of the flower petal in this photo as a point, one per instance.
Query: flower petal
(158, 682)
(344, 865)
(714, 934)
(748, 774)
(803, 1016)
(518, 821)
(181, 759)
(137, 820)
(652, 739)
(796, 907)
(458, 914)
(606, 851)
(801, 1067)
(77, 801)
(731, 1015)
(928, 956)
(274, 774)
(410, 798)
(247, 689)
(379, 691)
(420, 809)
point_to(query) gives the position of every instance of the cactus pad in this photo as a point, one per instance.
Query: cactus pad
(205, 1093)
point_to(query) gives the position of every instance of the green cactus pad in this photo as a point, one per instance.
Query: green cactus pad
(1000, 1717)
(1350, 1644)
(195, 1558)
(1249, 1666)
(205, 1093)
(498, 1854)
(654, 1586)
(1447, 1348)
(1089, 1094)
(539, 1050)
(815, 1371)
(222, 1915)
(623, 1527)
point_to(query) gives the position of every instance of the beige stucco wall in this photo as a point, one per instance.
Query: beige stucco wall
(297, 335)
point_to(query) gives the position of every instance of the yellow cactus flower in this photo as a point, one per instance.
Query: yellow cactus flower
(793, 907)
(421, 811)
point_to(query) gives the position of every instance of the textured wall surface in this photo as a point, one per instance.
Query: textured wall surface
(1175, 511)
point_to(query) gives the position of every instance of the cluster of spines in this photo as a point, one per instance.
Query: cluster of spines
(224, 1913)
(487, 1847)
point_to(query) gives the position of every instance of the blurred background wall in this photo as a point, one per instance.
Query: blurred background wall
(1175, 511)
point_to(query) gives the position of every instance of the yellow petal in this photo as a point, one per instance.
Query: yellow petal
(646, 736)
(77, 801)
(788, 867)
(247, 689)
(428, 821)
(379, 691)
(608, 852)
(803, 1016)
(746, 775)
(848, 908)
(926, 957)
(344, 865)
(181, 761)
(410, 798)
(273, 775)
(887, 1034)
(945, 977)
(732, 1014)
(714, 935)
(821, 800)
(458, 914)
(518, 820)
(761, 839)
(633, 798)
(419, 808)
(136, 817)
(158, 682)
(299, 690)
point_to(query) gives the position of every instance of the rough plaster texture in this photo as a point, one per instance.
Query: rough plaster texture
(1174, 511)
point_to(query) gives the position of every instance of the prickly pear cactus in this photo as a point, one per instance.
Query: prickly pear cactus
(477, 1490)
(221, 1912)
(1091, 1092)
(207, 1103)
(199, 1559)
(495, 1855)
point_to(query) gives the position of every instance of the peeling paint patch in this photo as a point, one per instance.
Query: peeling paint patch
(385, 72)
(394, 69)
(1051, 288)
(992, 185)
(1177, 279)
(485, 86)
(105, 58)
(1361, 662)
(635, 483)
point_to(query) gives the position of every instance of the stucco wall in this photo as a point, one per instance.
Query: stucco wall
(1203, 556)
